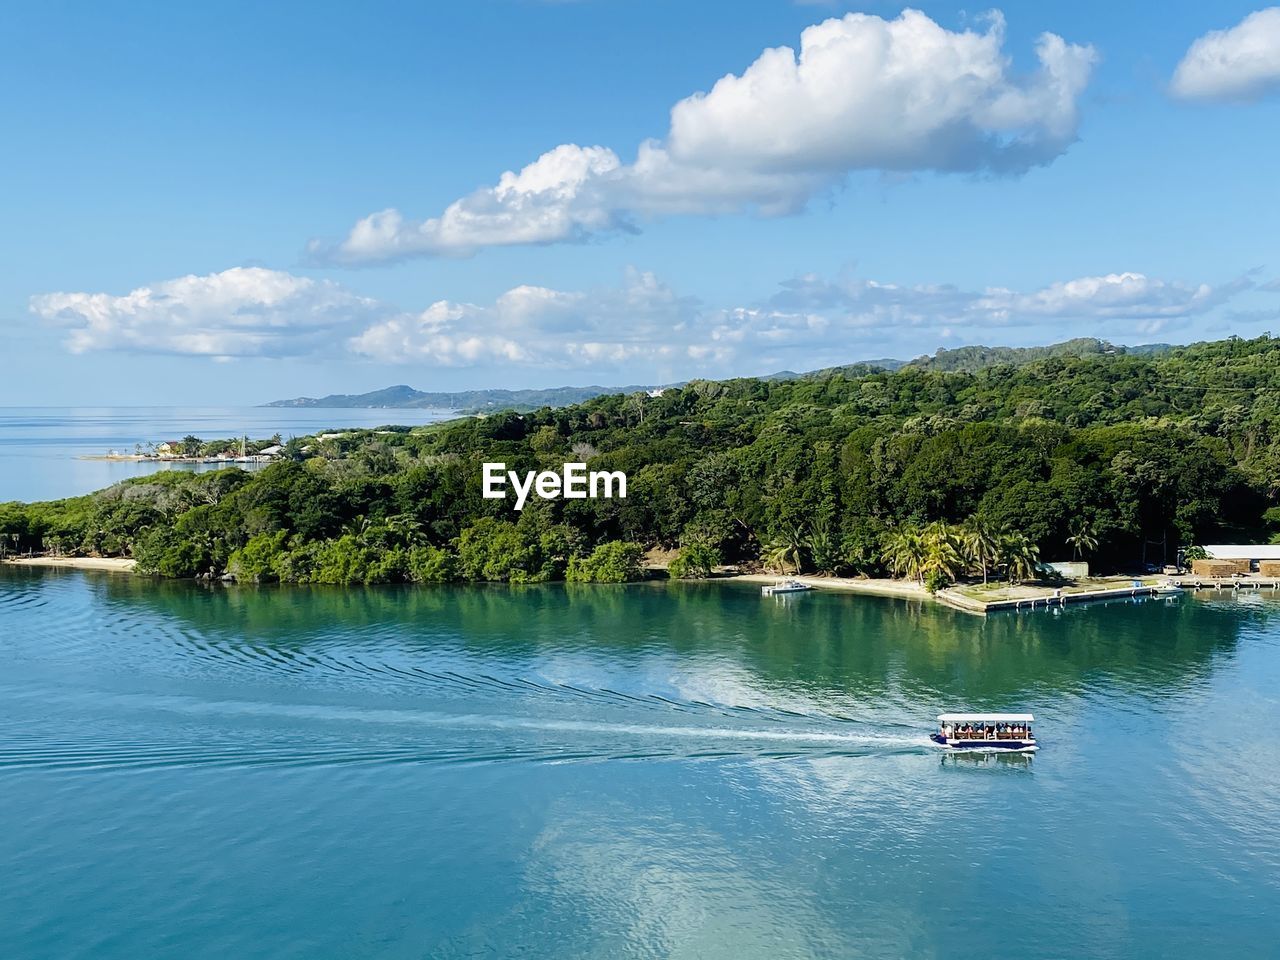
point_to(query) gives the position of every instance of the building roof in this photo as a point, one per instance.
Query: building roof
(985, 718)
(1244, 551)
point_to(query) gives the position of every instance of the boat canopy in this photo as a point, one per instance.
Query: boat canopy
(985, 718)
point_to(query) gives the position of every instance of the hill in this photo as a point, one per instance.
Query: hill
(403, 396)
(959, 360)
(1119, 457)
(974, 358)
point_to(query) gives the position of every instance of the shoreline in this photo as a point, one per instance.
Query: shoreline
(136, 458)
(112, 564)
(901, 589)
(1004, 596)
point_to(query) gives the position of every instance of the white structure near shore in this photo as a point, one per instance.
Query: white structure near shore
(1253, 552)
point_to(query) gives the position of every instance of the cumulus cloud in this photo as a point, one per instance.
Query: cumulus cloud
(241, 312)
(1241, 63)
(861, 93)
(813, 321)
(646, 328)
(643, 319)
(638, 329)
(1113, 296)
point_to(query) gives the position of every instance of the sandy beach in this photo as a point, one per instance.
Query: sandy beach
(114, 564)
(903, 589)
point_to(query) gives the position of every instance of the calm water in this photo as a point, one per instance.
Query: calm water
(40, 447)
(645, 771)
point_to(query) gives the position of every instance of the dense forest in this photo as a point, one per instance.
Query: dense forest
(1118, 458)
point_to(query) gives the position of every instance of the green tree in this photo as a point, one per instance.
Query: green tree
(822, 548)
(943, 560)
(905, 550)
(695, 560)
(1020, 557)
(785, 551)
(981, 544)
(260, 559)
(612, 562)
(432, 565)
(1082, 538)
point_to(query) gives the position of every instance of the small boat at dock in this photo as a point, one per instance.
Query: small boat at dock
(784, 586)
(1167, 588)
(1004, 732)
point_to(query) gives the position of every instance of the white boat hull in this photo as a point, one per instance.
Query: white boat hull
(985, 746)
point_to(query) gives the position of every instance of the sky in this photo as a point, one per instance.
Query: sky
(230, 203)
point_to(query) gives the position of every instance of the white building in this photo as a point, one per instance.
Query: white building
(1252, 552)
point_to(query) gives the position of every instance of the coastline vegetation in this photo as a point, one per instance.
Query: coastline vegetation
(926, 474)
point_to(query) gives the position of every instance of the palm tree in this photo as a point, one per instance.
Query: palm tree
(406, 527)
(1083, 537)
(822, 548)
(942, 548)
(785, 551)
(904, 551)
(1021, 557)
(359, 527)
(982, 544)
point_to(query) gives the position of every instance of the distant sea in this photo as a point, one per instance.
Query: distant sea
(41, 447)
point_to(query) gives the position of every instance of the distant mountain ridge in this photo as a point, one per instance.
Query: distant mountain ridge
(957, 360)
(974, 358)
(403, 396)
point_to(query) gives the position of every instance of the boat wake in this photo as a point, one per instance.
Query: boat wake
(285, 735)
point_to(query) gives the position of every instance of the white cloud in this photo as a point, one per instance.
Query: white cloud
(640, 329)
(241, 312)
(554, 198)
(1241, 63)
(1123, 296)
(862, 93)
(815, 322)
(646, 329)
(904, 94)
(538, 326)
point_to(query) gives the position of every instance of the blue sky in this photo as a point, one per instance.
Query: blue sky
(184, 187)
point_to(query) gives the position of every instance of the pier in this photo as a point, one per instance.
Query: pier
(1191, 582)
(1057, 598)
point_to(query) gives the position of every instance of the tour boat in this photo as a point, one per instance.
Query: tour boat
(784, 586)
(986, 732)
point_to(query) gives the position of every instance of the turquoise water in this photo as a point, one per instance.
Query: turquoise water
(643, 771)
(42, 448)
